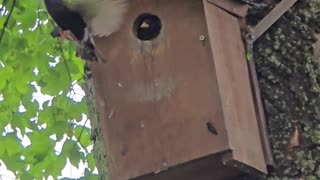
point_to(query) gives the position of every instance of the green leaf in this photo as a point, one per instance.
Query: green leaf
(249, 56)
(21, 122)
(31, 108)
(59, 128)
(66, 148)
(3, 83)
(75, 156)
(89, 176)
(28, 18)
(76, 110)
(41, 145)
(22, 83)
(61, 102)
(14, 162)
(46, 116)
(12, 144)
(91, 162)
(7, 41)
(85, 136)
(5, 118)
(37, 169)
(73, 67)
(51, 83)
(2, 150)
(21, 44)
(26, 176)
(6, 73)
(12, 99)
(57, 166)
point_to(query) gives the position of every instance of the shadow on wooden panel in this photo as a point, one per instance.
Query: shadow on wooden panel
(206, 168)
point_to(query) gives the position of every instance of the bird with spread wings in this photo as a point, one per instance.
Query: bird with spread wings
(81, 20)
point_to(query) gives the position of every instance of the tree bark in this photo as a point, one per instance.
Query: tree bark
(99, 149)
(287, 63)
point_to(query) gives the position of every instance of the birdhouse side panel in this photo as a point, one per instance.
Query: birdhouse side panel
(234, 86)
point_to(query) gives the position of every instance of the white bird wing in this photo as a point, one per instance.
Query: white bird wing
(103, 17)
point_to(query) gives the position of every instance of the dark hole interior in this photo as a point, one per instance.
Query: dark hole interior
(147, 26)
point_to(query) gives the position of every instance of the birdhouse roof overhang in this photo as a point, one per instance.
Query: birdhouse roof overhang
(235, 7)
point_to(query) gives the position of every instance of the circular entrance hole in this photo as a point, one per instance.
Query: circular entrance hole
(147, 26)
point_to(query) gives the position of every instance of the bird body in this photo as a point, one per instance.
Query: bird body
(66, 18)
(103, 17)
(85, 19)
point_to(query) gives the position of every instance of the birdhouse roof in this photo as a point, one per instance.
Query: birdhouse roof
(234, 7)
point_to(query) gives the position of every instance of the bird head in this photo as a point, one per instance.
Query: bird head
(149, 27)
(144, 25)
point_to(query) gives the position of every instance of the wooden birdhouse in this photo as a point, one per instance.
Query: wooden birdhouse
(174, 99)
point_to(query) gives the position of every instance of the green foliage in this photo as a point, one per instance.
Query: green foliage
(30, 58)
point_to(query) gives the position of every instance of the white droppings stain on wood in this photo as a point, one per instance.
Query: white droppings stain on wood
(120, 85)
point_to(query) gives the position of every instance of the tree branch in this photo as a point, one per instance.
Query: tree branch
(64, 61)
(5, 24)
(39, 20)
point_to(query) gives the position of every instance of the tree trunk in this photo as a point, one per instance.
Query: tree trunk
(287, 63)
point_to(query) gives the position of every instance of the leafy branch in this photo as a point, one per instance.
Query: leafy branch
(30, 49)
(5, 24)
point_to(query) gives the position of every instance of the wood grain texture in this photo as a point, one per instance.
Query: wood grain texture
(156, 97)
(234, 86)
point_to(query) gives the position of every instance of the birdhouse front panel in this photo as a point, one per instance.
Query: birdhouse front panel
(234, 87)
(159, 96)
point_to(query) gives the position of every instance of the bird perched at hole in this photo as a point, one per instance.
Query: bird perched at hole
(147, 27)
(81, 20)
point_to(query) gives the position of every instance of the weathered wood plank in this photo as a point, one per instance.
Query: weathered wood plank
(234, 86)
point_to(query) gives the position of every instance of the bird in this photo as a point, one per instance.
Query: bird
(81, 20)
(148, 27)
(85, 50)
